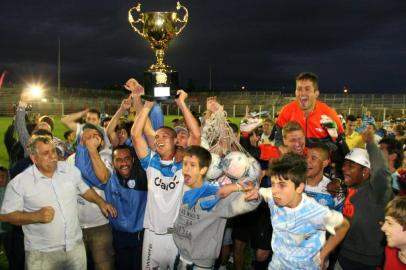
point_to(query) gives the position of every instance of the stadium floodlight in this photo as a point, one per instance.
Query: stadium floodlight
(35, 91)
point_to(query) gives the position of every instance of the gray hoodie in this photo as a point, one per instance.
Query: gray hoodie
(198, 233)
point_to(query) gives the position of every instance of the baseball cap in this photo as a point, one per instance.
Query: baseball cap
(359, 156)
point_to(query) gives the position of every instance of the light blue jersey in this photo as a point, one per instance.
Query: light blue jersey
(322, 196)
(299, 233)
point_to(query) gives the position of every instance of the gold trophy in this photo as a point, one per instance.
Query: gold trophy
(159, 28)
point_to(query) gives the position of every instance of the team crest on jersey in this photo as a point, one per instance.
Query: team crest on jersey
(131, 183)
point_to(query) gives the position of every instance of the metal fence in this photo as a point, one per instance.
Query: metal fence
(235, 103)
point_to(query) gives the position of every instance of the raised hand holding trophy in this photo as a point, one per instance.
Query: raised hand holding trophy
(159, 28)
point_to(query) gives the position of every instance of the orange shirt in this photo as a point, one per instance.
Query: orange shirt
(311, 125)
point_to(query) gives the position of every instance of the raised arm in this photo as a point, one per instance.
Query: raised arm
(380, 174)
(20, 126)
(190, 121)
(111, 127)
(140, 145)
(136, 91)
(70, 120)
(100, 169)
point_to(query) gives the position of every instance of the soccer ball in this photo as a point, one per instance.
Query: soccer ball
(215, 170)
(224, 180)
(235, 165)
(253, 172)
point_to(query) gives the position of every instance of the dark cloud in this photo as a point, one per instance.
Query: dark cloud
(259, 44)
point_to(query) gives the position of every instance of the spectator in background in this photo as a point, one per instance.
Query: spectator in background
(399, 132)
(92, 116)
(267, 127)
(368, 119)
(4, 238)
(44, 123)
(393, 152)
(360, 125)
(70, 136)
(372, 128)
(352, 137)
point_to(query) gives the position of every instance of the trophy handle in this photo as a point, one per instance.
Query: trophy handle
(133, 22)
(185, 17)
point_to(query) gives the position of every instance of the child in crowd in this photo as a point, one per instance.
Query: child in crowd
(394, 228)
(198, 229)
(299, 222)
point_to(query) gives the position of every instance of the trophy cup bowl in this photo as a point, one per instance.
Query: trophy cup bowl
(159, 28)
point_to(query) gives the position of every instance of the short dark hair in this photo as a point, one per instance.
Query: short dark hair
(373, 126)
(351, 117)
(127, 125)
(324, 149)
(394, 147)
(201, 153)
(234, 127)
(290, 166)
(291, 126)
(105, 119)
(122, 147)
(309, 76)
(96, 111)
(47, 119)
(67, 133)
(171, 130)
(42, 132)
(3, 169)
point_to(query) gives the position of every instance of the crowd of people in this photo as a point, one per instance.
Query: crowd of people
(310, 189)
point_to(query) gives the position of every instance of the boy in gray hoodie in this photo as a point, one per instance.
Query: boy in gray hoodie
(199, 227)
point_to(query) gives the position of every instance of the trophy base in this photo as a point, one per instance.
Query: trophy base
(160, 85)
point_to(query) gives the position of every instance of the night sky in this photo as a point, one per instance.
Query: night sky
(259, 44)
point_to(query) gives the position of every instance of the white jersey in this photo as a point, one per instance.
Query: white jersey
(165, 183)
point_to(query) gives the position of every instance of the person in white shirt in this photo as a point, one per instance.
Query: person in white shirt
(97, 234)
(43, 200)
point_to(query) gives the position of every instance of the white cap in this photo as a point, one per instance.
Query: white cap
(359, 156)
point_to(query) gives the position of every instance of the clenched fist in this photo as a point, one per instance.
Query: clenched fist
(46, 214)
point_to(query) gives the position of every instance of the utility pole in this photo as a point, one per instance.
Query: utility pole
(59, 68)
